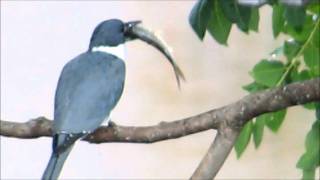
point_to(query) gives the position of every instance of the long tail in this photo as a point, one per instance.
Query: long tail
(55, 165)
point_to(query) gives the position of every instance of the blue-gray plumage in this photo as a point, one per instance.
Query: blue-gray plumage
(88, 89)
(90, 86)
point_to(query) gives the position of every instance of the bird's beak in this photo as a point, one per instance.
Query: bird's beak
(133, 31)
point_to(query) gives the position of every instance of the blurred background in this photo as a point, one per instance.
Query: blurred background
(38, 38)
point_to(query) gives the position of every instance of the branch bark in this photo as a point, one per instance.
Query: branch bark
(216, 155)
(228, 120)
(42, 126)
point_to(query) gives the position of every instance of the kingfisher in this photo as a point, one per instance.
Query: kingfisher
(91, 84)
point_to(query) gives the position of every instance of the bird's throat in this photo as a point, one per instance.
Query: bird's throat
(118, 51)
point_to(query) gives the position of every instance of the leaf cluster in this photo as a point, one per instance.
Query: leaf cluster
(298, 58)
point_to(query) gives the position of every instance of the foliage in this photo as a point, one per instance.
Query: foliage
(297, 59)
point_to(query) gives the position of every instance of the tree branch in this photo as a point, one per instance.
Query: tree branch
(216, 155)
(233, 116)
(42, 126)
(228, 120)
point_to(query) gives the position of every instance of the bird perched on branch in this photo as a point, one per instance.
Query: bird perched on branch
(91, 84)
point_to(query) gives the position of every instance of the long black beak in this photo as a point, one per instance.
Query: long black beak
(133, 30)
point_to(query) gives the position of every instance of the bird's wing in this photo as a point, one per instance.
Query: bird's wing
(88, 89)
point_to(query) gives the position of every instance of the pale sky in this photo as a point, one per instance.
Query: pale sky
(38, 38)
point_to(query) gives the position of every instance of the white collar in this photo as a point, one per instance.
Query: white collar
(118, 51)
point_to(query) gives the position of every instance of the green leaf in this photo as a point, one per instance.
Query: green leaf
(304, 75)
(199, 17)
(312, 59)
(313, 106)
(291, 48)
(228, 8)
(219, 26)
(295, 16)
(317, 105)
(303, 33)
(314, 8)
(300, 76)
(310, 106)
(294, 75)
(310, 159)
(306, 161)
(254, 19)
(308, 174)
(254, 87)
(274, 120)
(312, 143)
(267, 72)
(272, 2)
(258, 128)
(243, 139)
(277, 19)
(316, 37)
(244, 14)
(237, 13)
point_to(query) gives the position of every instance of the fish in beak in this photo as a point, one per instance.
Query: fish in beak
(133, 30)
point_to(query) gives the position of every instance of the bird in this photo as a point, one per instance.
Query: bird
(91, 84)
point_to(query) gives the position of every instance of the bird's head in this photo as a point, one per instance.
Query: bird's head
(114, 32)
